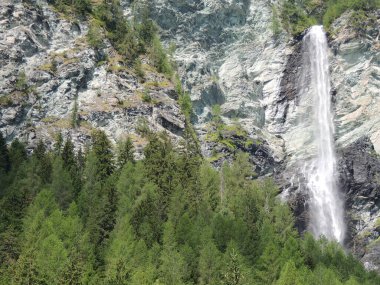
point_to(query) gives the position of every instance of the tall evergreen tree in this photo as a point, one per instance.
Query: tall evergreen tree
(62, 184)
(17, 154)
(43, 160)
(160, 168)
(101, 147)
(125, 153)
(4, 157)
(58, 144)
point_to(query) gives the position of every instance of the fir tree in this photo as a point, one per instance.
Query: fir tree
(101, 147)
(4, 157)
(125, 153)
(44, 165)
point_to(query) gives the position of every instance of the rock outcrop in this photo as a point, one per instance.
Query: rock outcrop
(51, 80)
(359, 168)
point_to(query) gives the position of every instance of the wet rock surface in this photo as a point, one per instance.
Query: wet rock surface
(359, 168)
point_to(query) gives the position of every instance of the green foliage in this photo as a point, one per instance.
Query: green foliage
(146, 28)
(216, 115)
(62, 184)
(95, 35)
(295, 17)
(159, 58)
(4, 158)
(79, 7)
(43, 161)
(298, 15)
(167, 219)
(337, 7)
(146, 97)
(125, 153)
(138, 69)
(276, 24)
(130, 38)
(142, 127)
(21, 82)
(58, 143)
(101, 147)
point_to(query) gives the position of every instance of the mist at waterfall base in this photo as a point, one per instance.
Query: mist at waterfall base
(325, 205)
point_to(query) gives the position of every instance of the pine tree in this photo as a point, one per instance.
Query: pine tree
(68, 154)
(189, 165)
(62, 184)
(44, 165)
(58, 144)
(101, 147)
(289, 275)
(4, 157)
(160, 168)
(210, 264)
(71, 165)
(172, 263)
(233, 274)
(268, 267)
(125, 153)
(4, 165)
(17, 154)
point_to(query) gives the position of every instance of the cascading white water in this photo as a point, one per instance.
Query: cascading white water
(326, 205)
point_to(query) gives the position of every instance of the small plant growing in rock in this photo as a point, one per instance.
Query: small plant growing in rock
(21, 82)
(6, 101)
(54, 66)
(74, 116)
(142, 127)
(138, 69)
(95, 36)
(159, 58)
(276, 24)
(216, 115)
(146, 97)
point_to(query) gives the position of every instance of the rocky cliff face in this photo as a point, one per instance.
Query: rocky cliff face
(226, 55)
(51, 80)
(356, 79)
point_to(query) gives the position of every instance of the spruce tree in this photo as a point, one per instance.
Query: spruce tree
(17, 154)
(125, 153)
(4, 157)
(62, 184)
(101, 147)
(43, 161)
(58, 144)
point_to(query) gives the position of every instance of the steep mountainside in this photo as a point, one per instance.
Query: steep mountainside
(52, 80)
(243, 76)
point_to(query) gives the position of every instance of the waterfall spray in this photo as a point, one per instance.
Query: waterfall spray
(326, 205)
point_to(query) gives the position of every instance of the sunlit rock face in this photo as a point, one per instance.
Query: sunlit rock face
(61, 71)
(227, 55)
(355, 73)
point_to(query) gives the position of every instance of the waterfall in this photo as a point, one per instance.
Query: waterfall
(326, 205)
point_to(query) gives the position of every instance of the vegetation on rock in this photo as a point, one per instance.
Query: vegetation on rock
(298, 15)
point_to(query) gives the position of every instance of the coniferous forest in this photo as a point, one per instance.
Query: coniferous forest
(97, 216)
